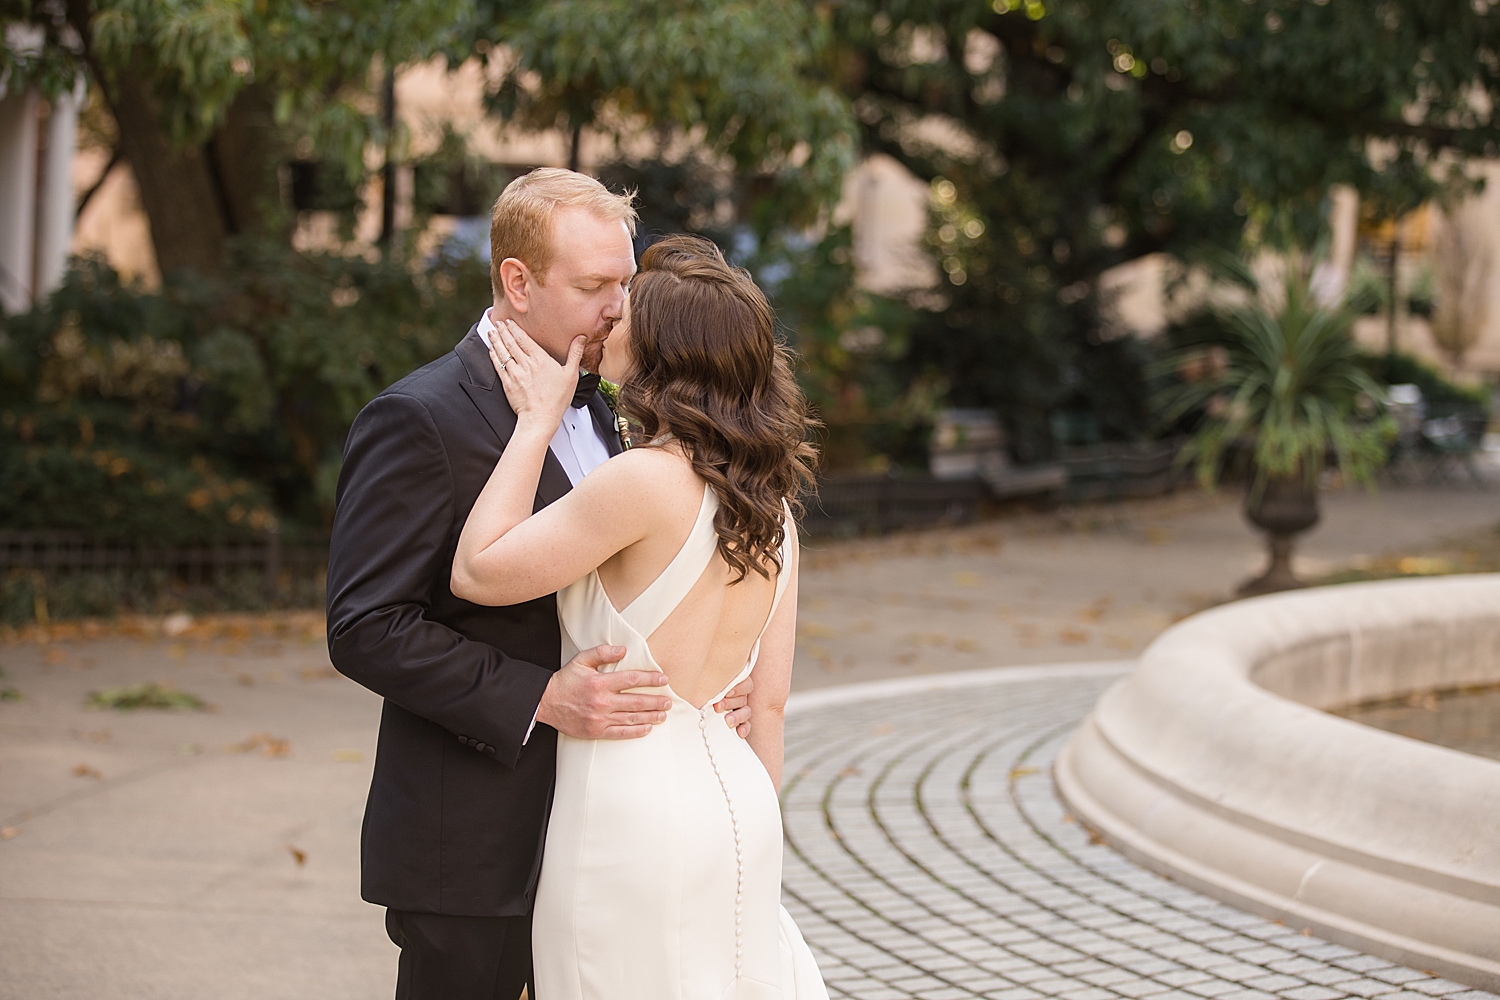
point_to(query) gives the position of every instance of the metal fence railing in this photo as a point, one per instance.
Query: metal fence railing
(61, 553)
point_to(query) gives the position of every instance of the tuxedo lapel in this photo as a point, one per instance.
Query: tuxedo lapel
(604, 420)
(484, 389)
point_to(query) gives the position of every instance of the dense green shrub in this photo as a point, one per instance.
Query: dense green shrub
(212, 410)
(1437, 391)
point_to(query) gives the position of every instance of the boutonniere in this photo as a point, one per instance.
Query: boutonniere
(611, 393)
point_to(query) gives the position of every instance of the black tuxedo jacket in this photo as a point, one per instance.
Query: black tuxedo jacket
(458, 806)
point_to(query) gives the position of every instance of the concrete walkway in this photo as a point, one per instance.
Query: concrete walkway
(214, 854)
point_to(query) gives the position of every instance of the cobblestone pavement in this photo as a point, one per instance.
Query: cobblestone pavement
(928, 856)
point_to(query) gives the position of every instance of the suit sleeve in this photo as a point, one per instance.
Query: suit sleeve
(390, 544)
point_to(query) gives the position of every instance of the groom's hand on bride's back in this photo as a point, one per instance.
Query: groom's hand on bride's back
(589, 704)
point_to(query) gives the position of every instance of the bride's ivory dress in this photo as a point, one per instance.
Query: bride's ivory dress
(661, 878)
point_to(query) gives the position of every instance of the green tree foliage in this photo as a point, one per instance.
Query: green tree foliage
(739, 79)
(1064, 137)
(210, 97)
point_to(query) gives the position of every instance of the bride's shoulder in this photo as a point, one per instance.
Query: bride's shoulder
(643, 470)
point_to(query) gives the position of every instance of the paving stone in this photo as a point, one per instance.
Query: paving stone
(1183, 977)
(1150, 966)
(1367, 987)
(1262, 954)
(1295, 966)
(1014, 993)
(1329, 975)
(1273, 982)
(1311, 993)
(1235, 970)
(1363, 963)
(1436, 987)
(1087, 993)
(1212, 988)
(1140, 988)
(1397, 974)
(1110, 977)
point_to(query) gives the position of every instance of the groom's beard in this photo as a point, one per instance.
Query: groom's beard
(593, 350)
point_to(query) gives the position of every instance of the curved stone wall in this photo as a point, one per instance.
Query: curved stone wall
(1213, 763)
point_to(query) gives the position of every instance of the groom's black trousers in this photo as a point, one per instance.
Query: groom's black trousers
(460, 958)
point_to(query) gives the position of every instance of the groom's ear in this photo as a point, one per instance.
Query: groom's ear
(515, 284)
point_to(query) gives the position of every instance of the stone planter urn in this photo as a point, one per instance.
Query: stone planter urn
(1283, 508)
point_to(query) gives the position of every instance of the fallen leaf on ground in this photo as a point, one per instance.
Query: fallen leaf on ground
(298, 855)
(1097, 610)
(271, 746)
(317, 673)
(1072, 636)
(147, 695)
(348, 756)
(1022, 771)
(7, 832)
(87, 771)
(248, 680)
(967, 579)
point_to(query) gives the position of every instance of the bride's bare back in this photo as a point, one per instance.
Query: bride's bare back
(706, 641)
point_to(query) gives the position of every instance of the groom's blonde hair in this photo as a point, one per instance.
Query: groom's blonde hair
(521, 222)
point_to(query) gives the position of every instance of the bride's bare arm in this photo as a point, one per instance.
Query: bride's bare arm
(773, 678)
(505, 554)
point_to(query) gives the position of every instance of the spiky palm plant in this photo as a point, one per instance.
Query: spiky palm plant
(1283, 379)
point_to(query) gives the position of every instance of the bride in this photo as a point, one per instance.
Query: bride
(661, 876)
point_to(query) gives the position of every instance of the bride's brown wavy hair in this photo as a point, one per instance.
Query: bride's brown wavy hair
(708, 368)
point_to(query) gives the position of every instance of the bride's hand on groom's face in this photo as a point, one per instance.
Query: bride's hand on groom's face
(536, 386)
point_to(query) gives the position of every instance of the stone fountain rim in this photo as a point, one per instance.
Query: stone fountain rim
(1189, 753)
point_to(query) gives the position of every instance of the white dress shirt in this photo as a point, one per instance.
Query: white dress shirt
(577, 445)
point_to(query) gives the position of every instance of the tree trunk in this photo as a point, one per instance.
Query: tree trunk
(245, 151)
(178, 189)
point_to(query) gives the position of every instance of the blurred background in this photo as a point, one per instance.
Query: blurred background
(1017, 244)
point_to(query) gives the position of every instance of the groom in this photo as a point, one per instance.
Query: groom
(474, 699)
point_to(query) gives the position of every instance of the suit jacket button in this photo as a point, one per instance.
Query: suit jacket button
(490, 751)
(479, 746)
(463, 739)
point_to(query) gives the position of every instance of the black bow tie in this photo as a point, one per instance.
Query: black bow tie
(588, 384)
